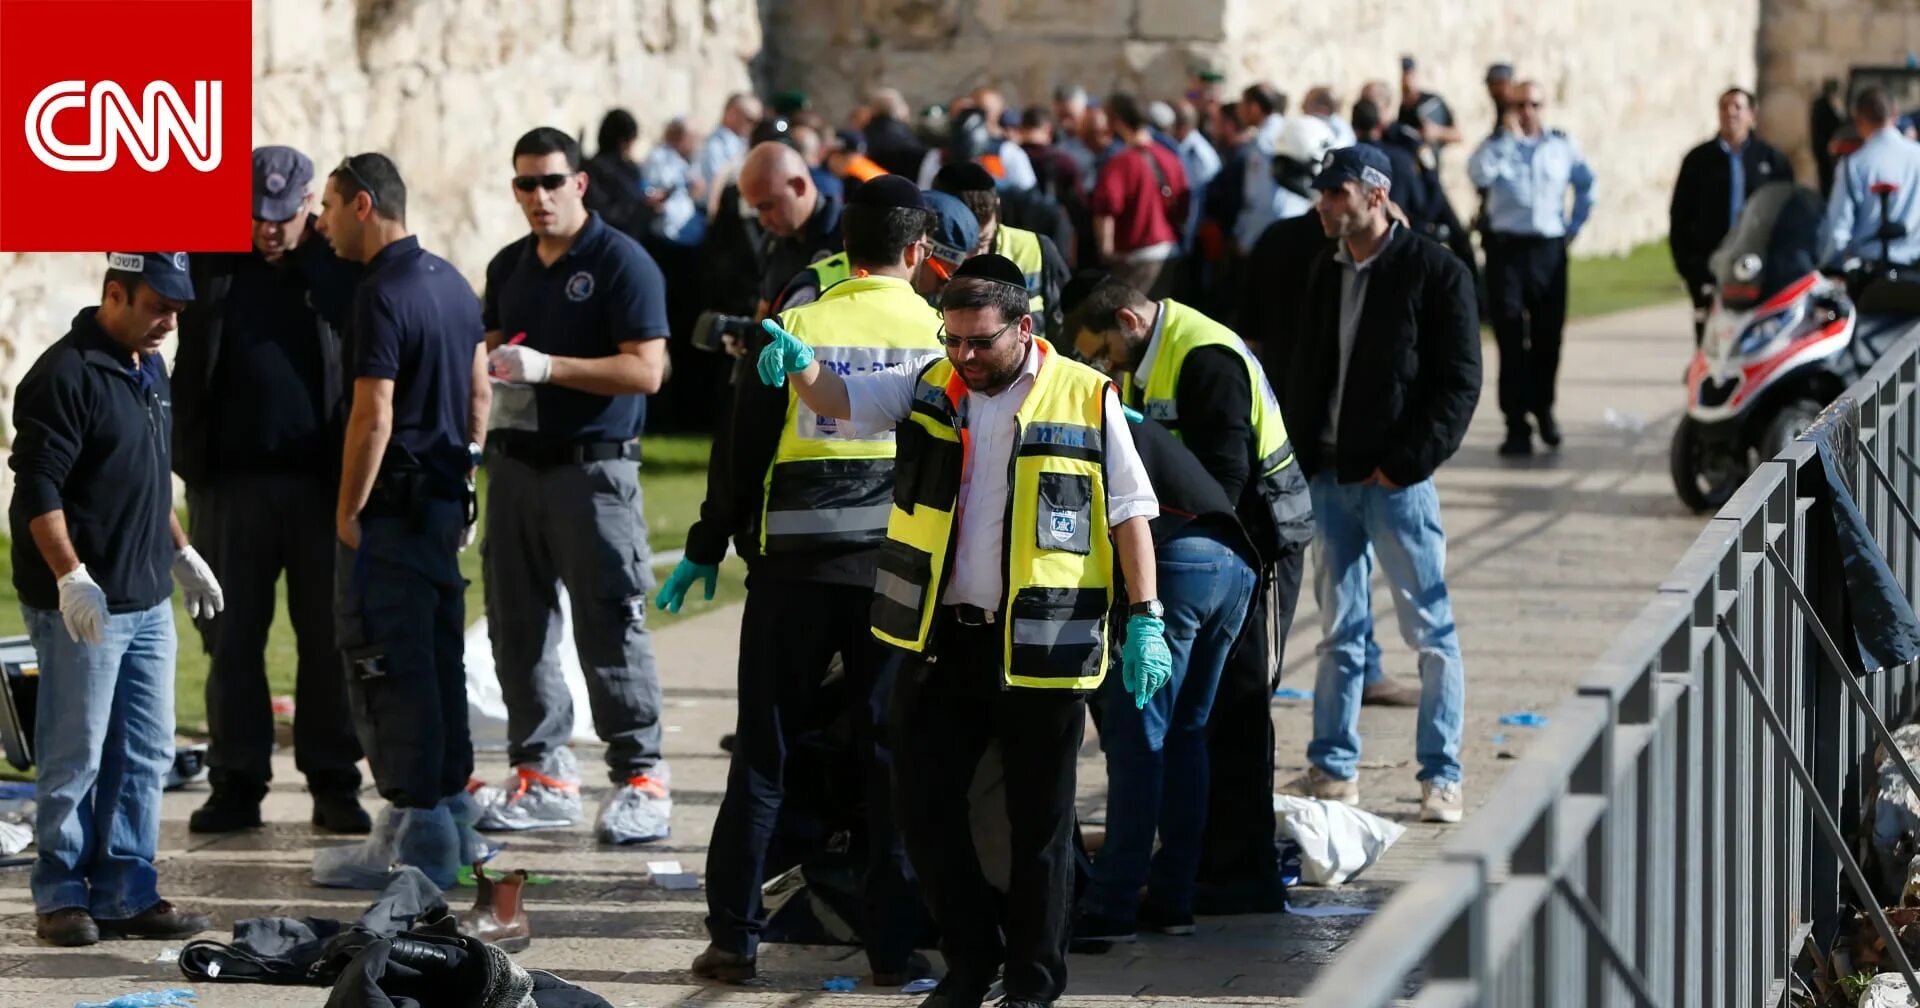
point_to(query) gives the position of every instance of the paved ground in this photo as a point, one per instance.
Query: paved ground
(1549, 560)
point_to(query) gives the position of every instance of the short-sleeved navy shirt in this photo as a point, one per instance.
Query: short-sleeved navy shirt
(416, 321)
(603, 291)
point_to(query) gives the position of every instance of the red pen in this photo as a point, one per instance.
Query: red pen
(517, 339)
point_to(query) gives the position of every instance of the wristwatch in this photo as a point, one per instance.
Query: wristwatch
(1150, 607)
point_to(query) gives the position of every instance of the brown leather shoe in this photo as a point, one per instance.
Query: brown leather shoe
(497, 917)
(1388, 693)
(68, 928)
(720, 964)
(161, 920)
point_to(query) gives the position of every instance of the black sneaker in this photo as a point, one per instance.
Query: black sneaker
(1519, 442)
(1099, 928)
(1549, 429)
(340, 812)
(225, 812)
(1164, 921)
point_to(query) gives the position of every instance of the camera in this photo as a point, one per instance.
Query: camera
(712, 328)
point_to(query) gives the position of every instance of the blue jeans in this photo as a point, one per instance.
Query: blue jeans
(103, 740)
(1403, 527)
(1157, 755)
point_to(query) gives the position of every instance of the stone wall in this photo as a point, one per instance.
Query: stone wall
(1633, 80)
(1803, 42)
(444, 87)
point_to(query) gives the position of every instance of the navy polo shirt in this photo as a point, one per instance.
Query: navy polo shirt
(603, 291)
(416, 321)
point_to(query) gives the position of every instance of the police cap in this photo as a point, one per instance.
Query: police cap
(165, 272)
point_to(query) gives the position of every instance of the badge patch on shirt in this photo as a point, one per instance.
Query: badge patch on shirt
(1064, 524)
(580, 286)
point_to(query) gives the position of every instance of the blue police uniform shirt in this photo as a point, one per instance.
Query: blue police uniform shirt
(416, 322)
(1853, 211)
(603, 291)
(1527, 179)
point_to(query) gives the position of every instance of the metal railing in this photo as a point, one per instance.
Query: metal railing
(1683, 830)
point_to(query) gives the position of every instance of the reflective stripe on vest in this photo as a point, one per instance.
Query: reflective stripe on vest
(828, 489)
(1184, 331)
(1058, 557)
(1023, 247)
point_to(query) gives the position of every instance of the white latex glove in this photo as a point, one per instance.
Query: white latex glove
(520, 365)
(204, 598)
(83, 607)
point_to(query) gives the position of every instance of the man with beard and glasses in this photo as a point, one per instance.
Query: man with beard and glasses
(1016, 489)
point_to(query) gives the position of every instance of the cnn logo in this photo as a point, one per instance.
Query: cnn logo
(150, 131)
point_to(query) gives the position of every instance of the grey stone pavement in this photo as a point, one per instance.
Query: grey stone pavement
(1549, 559)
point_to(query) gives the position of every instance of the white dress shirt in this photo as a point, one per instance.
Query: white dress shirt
(880, 400)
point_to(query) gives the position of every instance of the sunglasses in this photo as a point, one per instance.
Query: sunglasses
(975, 343)
(346, 165)
(528, 183)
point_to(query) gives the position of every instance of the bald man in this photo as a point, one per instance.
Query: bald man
(777, 188)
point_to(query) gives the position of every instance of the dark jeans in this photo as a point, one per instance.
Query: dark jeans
(1240, 847)
(1527, 304)
(250, 527)
(1157, 754)
(945, 713)
(788, 636)
(400, 607)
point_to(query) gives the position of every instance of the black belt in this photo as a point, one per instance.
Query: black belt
(547, 454)
(974, 616)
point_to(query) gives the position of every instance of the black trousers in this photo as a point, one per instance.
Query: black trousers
(250, 528)
(788, 636)
(946, 710)
(1527, 304)
(1240, 850)
(400, 609)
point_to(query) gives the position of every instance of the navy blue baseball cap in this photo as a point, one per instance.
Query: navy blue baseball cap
(1363, 163)
(165, 272)
(280, 179)
(955, 229)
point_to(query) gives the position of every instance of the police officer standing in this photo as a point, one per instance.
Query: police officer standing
(1037, 256)
(259, 411)
(1196, 377)
(807, 502)
(94, 534)
(1016, 488)
(419, 405)
(576, 316)
(1527, 170)
(1853, 210)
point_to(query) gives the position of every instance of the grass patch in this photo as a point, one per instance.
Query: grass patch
(673, 479)
(1601, 284)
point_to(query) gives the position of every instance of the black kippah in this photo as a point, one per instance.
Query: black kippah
(889, 191)
(997, 268)
(962, 176)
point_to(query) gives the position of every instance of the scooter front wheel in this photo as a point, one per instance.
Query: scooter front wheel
(1705, 475)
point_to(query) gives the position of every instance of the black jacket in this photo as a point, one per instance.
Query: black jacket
(330, 282)
(90, 440)
(1414, 376)
(1697, 217)
(1188, 494)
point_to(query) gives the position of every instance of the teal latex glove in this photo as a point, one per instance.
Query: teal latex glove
(1145, 662)
(685, 573)
(1132, 415)
(784, 354)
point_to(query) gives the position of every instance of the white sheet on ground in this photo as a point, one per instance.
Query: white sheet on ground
(1337, 841)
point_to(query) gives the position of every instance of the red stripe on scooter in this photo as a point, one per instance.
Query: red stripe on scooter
(1757, 375)
(1788, 296)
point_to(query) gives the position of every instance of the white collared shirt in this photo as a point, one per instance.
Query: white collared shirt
(880, 400)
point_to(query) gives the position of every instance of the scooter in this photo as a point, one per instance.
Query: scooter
(1783, 339)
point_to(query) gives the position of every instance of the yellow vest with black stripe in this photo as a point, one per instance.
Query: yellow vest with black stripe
(1058, 559)
(827, 489)
(1184, 331)
(1023, 247)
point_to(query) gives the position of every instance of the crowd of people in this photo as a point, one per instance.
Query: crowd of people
(1006, 426)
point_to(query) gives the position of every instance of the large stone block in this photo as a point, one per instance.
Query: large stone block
(1197, 20)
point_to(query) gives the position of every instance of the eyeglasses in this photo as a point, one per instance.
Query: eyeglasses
(346, 165)
(528, 183)
(975, 343)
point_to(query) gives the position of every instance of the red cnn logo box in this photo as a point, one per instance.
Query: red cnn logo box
(126, 124)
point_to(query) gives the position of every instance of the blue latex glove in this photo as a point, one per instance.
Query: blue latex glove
(1145, 663)
(783, 355)
(1132, 415)
(685, 573)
